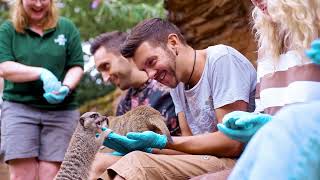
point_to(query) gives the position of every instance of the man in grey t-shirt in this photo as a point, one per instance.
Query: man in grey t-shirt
(227, 77)
(208, 84)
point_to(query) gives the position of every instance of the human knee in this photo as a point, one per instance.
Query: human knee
(97, 168)
(49, 167)
(137, 156)
(22, 169)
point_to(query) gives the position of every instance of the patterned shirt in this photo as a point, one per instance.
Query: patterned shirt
(157, 96)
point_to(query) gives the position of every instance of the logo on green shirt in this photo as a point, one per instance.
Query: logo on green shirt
(61, 40)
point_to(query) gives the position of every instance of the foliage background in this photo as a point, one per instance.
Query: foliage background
(93, 17)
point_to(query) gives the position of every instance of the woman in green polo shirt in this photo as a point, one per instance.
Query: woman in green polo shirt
(41, 61)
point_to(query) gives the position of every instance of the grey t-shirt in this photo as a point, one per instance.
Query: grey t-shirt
(228, 76)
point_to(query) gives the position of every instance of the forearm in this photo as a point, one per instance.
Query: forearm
(19, 73)
(73, 77)
(216, 144)
(184, 127)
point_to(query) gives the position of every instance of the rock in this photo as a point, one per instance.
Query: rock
(209, 22)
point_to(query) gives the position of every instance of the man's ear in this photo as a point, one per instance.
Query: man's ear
(173, 42)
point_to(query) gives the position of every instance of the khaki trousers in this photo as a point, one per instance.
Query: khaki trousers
(139, 165)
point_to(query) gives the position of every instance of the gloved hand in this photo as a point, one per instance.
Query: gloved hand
(57, 97)
(314, 52)
(241, 126)
(148, 139)
(119, 143)
(140, 141)
(50, 81)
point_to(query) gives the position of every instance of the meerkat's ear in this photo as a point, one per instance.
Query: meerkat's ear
(81, 121)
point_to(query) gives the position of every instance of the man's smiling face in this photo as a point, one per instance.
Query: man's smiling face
(158, 62)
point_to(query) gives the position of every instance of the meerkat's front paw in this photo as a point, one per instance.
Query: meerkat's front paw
(100, 137)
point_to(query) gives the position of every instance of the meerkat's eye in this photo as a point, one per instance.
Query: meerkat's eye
(95, 115)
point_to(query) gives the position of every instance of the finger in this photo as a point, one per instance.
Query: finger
(115, 145)
(121, 139)
(148, 150)
(316, 44)
(134, 135)
(116, 153)
(50, 98)
(229, 132)
(230, 118)
(64, 90)
(243, 122)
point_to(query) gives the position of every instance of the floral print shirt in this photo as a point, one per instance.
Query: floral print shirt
(155, 95)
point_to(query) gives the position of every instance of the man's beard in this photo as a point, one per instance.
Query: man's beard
(173, 64)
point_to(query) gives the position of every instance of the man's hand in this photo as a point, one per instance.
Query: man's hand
(50, 81)
(148, 139)
(57, 97)
(241, 126)
(314, 52)
(135, 141)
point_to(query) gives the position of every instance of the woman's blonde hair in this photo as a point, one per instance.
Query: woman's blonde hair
(19, 17)
(291, 25)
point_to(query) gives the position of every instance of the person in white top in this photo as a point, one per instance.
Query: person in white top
(288, 95)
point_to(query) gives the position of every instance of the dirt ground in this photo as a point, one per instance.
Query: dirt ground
(4, 172)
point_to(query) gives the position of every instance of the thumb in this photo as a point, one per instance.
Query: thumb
(64, 90)
(148, 150)
(223, 129)
(51, 98)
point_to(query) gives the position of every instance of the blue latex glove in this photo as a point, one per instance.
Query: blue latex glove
(116, 153)
(314, 52)
(57, 97)
(148, 139)
(50, 81)
(135, 141)
(241, 126)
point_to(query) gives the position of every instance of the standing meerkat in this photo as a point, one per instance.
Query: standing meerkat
(84, 144)
(82, 149)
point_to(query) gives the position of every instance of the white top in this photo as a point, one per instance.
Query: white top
(291, 81)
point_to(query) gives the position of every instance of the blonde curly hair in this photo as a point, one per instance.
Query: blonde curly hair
(289, 25)
(19, 17)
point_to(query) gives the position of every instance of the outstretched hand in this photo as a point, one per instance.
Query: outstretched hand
(241, 126)
(144, 141)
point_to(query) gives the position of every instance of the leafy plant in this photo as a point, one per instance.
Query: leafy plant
(94, 17)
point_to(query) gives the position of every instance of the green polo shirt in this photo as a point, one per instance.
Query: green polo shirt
(57, 50)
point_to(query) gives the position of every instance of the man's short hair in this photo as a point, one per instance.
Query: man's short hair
(154, 31)
(111, 41)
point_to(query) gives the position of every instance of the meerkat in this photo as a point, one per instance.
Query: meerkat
(142, 118)
(82, 149)
(84, 144)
